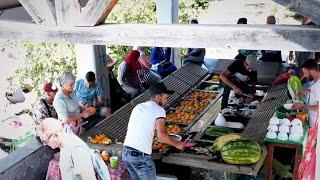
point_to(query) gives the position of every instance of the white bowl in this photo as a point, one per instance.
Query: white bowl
(175, 137)
(294, 137)
(284, 129)
(235, 125)
(288, 106)
(271, 135)
(296, 122)
(296, 129)
(272, 128)
(285, 122)
(282, 136)
(274, 120)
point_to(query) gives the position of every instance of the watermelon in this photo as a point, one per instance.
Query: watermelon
(241, 152)
(217, 131)
(224, 139)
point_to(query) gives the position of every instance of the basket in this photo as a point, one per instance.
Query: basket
(281, 112)
(20, 142)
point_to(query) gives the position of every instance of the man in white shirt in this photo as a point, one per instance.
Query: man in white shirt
(310, 71)
(144, 120)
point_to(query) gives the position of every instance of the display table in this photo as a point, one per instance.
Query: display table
(297, 145)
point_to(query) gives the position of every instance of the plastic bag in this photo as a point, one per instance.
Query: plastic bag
(294, 85)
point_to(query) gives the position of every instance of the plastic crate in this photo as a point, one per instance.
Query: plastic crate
(20, 142)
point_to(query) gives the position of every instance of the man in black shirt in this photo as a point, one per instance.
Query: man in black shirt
(238, 77)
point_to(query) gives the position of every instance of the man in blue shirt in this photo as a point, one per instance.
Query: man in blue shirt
(89, 93)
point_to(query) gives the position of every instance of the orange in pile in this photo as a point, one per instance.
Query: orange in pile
(99, 139)
(199, 95)
(105, 155)
(91, 110)
(181, 116)
(173, 128)
(215, 78)
(159, 146)
(195, 105)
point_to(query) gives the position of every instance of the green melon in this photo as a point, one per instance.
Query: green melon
(241, 152)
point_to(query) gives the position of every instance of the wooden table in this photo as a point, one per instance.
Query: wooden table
(297, 158)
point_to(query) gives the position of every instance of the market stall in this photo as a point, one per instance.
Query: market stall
(191, 110)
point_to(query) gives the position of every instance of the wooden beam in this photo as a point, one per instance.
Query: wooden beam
(96, 11)
(41, 11)
(67, 12)
(255, 37)
(7, 4)
(307, 8)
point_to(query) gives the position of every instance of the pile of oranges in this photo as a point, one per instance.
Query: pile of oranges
(181, 116)
(199, 95)
(99, 139)
(159, 146)
(173, 128)
(195, 105)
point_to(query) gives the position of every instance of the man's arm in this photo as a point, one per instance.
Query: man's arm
(306, 106)
(101, 101)
(163, 135)
(224, 76)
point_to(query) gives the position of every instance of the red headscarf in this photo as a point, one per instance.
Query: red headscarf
(132, 60)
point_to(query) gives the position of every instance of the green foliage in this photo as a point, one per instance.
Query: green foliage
(45, 62)
(144, 11)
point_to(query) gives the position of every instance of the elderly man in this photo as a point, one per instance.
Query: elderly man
(45, 108)
(311, 72)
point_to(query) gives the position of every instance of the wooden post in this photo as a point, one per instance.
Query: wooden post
(168, 12)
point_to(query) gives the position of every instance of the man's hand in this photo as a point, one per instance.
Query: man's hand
(188, 144)
(238, 91)
(85, 114)
(301, 92)
(298, 106)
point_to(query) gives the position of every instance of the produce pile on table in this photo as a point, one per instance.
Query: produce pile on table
(99, 139)
(196, 105)
(199, 95)
(158, 146)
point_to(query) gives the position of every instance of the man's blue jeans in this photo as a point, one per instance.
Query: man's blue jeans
(140, 167)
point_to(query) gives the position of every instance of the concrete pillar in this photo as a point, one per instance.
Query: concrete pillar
(168, 12)
(93, 58)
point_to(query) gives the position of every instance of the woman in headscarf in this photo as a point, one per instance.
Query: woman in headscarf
(146, 75)
(67, 106)
(127, 74)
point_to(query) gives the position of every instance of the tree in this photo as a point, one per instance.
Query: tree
(45, 62)
(144, 11)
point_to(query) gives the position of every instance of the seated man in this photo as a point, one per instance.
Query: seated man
(89, 93)
(45, 108)
(195, 55)
(160, 60)
(237, 77)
